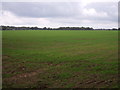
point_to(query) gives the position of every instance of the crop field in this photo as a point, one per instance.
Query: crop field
(60, 59)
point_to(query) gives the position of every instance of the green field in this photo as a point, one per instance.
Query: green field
(60, 59)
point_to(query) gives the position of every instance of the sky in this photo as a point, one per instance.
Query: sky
(60, 13)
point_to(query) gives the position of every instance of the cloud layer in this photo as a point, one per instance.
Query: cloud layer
(56, 14)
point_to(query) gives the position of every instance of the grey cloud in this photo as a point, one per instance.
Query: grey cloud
(111, 8)
(42, 9)
(69, 13)
(119, 14)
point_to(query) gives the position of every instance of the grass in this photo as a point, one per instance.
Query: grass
(60, 59)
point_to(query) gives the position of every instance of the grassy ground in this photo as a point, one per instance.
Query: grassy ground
(60, 59)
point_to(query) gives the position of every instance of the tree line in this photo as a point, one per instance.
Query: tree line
(48, 28)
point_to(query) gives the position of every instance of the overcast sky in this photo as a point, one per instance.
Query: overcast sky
(102, 14)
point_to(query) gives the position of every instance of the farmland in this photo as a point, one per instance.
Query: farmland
(60, 59)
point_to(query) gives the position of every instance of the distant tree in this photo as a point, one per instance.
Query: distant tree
(114, 29)
(44, 28)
